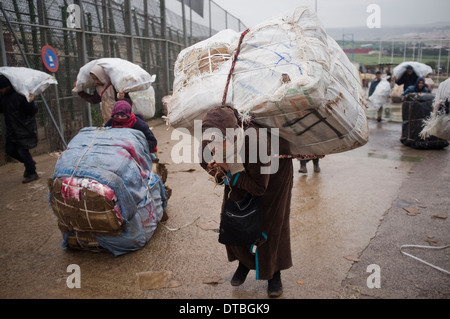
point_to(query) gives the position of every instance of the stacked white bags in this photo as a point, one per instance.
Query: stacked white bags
(289, 75)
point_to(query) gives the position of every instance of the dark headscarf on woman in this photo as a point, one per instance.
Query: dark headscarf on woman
(123, 107)
(416, 86)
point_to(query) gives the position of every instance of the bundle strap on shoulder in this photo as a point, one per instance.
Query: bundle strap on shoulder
(224, 98)
(104, 90)
(254, 251)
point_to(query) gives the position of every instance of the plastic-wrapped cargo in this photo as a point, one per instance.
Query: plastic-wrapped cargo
(438, 123)
(126, 77)
(380, 95)
(144, 103)
(26, 80)
(104, 193)
(289, 75)
(422, 70)
(201, 72)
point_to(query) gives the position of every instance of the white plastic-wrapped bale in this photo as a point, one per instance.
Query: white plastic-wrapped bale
(438, 123)
(26, 80)
(124, 75)
(289, 75)
(380, 95)
(420, 69)
(201, 73)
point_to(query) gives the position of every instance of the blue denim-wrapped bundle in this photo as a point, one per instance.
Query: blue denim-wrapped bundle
(118, 158)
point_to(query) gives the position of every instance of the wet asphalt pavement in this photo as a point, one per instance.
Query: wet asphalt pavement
(348, 225)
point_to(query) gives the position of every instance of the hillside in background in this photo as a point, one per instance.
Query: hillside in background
(439, 30)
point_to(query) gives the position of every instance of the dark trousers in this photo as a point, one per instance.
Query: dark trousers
(303, 162)
(22, 155)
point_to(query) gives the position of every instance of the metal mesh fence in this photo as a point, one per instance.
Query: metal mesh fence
(149, 33)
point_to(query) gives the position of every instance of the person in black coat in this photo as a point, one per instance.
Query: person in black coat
(408, 78)
(122, 116)
(21, 127)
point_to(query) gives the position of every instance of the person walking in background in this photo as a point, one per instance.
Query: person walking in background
(373, 86)
(21, 127)
(303, 168)
(274, 251)
(104, 92)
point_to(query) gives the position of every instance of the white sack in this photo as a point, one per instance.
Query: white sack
(26, 80)
(201, 72)
(289, 75)
(420, 69)
(125, 76)
(144, 103)
(438, 123)
(380, 95)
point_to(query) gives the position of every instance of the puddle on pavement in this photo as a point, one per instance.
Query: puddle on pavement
(393, 157)
(391, 112)
(401, 158)
(402, 203)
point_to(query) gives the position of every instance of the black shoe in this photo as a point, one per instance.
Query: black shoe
(275, 288)
(240, 275)
(26, 174)
(30, 178)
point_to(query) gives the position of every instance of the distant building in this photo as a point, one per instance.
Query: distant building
(358, 51)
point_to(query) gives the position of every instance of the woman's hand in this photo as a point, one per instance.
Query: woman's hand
(216, 170)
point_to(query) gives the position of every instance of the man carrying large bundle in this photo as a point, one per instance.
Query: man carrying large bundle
(18, 87)
(21, 127)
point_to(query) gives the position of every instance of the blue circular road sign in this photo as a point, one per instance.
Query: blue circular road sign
(50, 58)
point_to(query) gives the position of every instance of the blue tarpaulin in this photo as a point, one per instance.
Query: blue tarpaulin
(118, 158)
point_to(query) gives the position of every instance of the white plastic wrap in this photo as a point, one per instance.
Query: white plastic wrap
(438, 124)
(289, 75)
(125, 76)
(380, 95)
(26, 80)
(420, 69)
(201, 73)
(144, 103)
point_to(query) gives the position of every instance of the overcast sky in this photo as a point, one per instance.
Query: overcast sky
(344, 13)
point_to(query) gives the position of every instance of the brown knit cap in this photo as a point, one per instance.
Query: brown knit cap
(221, 117)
